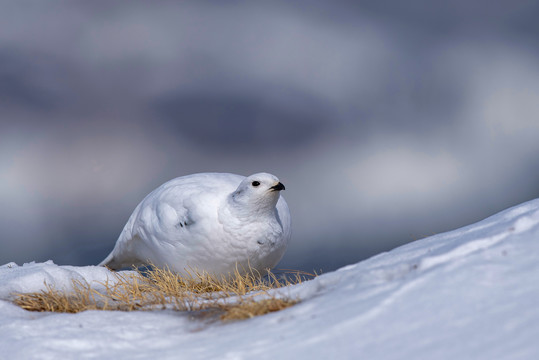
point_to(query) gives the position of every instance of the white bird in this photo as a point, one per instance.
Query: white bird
(213, 222)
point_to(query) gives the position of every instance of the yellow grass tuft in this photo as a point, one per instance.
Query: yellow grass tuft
(234, 297)
(249, 309)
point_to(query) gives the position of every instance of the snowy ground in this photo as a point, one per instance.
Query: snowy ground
(472, 293)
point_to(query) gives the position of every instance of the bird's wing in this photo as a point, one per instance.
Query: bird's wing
(171, 215)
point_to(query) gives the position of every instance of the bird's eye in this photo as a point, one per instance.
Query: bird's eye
(255, 183)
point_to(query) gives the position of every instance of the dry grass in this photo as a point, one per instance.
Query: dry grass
(251, 308)
(234, 297)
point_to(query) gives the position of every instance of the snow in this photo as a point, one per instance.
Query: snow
(471, 293)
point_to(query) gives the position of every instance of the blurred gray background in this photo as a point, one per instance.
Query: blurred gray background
(387, 121)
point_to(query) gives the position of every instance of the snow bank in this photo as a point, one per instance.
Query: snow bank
(34, 277)
(467, 294)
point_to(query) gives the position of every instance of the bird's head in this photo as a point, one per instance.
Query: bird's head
(258, 192)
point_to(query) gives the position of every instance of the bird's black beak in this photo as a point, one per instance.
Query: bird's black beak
(277, 187)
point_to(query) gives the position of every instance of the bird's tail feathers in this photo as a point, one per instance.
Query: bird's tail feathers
(110, 262)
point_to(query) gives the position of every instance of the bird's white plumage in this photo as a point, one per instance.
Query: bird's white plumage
(215, 222)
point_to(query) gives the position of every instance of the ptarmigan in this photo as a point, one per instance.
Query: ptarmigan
(213, 222)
